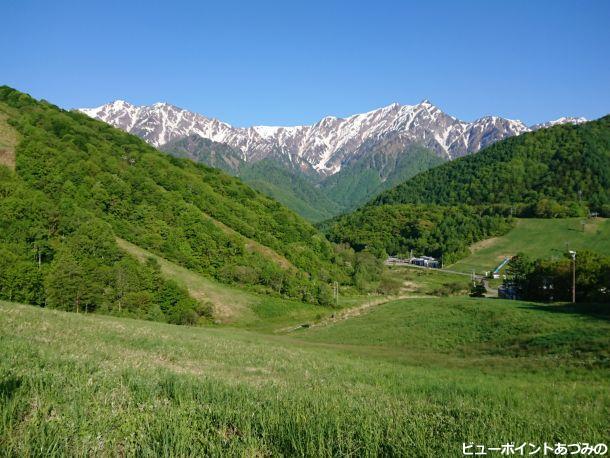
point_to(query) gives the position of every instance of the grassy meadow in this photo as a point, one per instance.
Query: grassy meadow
(414, 377)
(538, 238)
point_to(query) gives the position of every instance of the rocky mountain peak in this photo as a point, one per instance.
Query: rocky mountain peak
(328, 144)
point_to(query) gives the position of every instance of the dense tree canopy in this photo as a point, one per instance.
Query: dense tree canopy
(297, 190)
(552, 279)
(426, 229)
(365, 177)
(550, 172)
(80, 183)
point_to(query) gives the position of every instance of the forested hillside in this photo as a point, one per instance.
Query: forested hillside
(559, 171)
(556, 172)
(298, 191)
(385, 167)
(433, 230)
(79, 183)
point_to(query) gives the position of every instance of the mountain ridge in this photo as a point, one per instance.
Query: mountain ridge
(327, 145)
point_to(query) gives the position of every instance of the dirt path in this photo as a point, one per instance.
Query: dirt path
(352, 312)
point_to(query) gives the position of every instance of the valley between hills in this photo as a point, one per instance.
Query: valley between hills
(189, 300)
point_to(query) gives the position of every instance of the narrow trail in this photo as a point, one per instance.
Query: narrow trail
(351, 312)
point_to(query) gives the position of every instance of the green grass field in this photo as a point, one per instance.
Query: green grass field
(415, 377)
(539, 238)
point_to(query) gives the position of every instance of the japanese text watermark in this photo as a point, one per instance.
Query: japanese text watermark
(529, 449)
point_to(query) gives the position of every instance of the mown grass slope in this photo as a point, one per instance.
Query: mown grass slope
(410, 378)
(539, 238)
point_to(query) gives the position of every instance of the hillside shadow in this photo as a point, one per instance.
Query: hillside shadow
(597, 311)
(8, 387)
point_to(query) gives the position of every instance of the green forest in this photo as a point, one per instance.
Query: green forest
(79, 183)
(550, 173)
(552, 278)
(443, 232)
(360, 180)
(298, 191)
(555, 172)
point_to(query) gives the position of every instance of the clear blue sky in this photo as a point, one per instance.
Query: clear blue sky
(294, 62)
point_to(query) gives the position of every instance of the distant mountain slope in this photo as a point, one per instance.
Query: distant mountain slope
(545, 170)
(377, 171)
(349, 159)
(559, 121)
(295, 190)
(287, 185)
(327, 145)
(205, 151)
(80, 183)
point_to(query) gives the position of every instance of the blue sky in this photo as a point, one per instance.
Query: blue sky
(294, 62)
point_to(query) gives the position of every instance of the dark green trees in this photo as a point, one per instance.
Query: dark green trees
(478, 290)
(551, 279)
(433, 230)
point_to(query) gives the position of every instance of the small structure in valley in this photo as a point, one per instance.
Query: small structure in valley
(426, 261)
(421, 261)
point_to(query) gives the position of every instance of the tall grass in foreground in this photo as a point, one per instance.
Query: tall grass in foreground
(95, 385)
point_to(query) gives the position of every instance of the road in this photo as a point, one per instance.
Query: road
(491, 292)
(406, 264)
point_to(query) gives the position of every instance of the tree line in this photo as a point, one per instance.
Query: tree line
(434, 230)
(551, 279)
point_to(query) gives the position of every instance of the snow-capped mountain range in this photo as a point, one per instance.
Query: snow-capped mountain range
(562, 120)
(326, 145)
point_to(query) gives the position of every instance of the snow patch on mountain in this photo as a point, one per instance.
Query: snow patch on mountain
(328, 144)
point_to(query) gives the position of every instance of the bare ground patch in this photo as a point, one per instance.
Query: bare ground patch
(8, 141)
(353, 312)
(484, 244)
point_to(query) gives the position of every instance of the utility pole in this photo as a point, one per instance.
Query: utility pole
(573, 254)
(336, 294)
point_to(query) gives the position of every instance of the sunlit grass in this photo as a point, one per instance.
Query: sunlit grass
(414, 378)
(539, 238)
